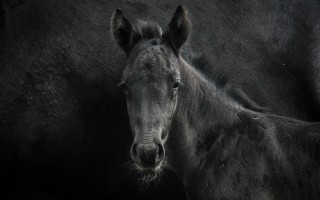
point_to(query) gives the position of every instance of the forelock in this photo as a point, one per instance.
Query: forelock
(148, 29)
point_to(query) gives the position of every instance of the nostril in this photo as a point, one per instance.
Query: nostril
(160, 153)
(134, 153)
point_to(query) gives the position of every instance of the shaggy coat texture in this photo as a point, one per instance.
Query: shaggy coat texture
(64, 130)
(216, 144)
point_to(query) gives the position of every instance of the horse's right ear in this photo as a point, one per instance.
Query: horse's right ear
(178, 30)
(122, 29)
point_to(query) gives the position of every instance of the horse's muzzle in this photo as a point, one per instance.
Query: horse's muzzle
(147, 156)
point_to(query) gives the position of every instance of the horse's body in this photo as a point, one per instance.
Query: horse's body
(217, 145)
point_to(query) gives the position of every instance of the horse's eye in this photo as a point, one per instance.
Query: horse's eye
(175, 85)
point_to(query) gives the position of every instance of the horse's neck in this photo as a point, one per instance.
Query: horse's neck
(202, 98)
(201, 110)
(209, 129)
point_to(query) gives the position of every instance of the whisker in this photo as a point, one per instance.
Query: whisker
(148, 177)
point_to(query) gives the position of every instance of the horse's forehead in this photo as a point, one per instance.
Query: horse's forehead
(154, 55)
(150, 60)
(150, 63)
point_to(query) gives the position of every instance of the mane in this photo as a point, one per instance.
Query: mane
(203, 66)
(220, 80)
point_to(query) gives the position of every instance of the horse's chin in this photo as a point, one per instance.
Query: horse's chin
(148, 175)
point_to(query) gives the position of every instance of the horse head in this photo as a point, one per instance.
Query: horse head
(151, 81)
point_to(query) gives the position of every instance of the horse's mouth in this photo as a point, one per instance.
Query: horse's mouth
(146, 168)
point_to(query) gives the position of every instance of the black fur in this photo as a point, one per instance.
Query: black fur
(64, 131)
(122, 30)
(202, 63)
(218, 148)
(178, 30)
(150, 30)
(220, 80)
(127, 34)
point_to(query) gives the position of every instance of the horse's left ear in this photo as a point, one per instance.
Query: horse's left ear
(179, 29)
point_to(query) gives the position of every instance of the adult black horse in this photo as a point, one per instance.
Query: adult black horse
(63, 123)
(218, 148)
